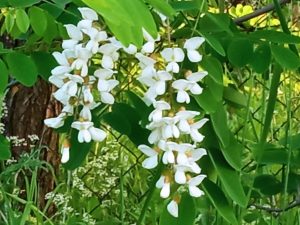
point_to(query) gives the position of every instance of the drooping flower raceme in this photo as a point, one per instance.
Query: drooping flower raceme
(171, 123)
(80, 88)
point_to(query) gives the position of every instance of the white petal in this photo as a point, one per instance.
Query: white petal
(88, 13)
(148, 47)
(74, 32)
(107, 98)
(173, 208)
(54, 122)
(69, 44)
(97, 134)
(200, 123)
(196, 136)
(160, 182)
(170, 156)
(165, 191)
(180, 177)
(154, 136)
(160, 87)
(57, 80)
(183, 96)
(198, 153)
(104, 74)
(196, 89)
(197, 76)
(172, 67)
(194, 56)
(86, 135)
(131, 49)
(147, 150)
(184, 126)
(60, 70)
(103, 85)
(180, 84)
(167, 54)
(193, 43)
(60, 58)
(150, 162)
(85, 24)
(195, 191)
(86, 113)
(178, 55)
(195, 181)
(182, 159)
(65, 155)
(107, 62)
(175, 131)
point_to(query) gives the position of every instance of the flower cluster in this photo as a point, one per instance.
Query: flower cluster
(83, 84)
(170, 123)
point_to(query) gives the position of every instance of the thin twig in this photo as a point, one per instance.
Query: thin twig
(278, 210)
(258, 12)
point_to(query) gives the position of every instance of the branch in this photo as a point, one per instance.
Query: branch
(258, 12)
(278, 210)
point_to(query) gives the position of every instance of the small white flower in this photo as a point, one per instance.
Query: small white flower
(173, 56)
(157, 113)
(75, 34)
(193, 183)
(56, 122)
(95, 36)
(184, 116)
(105, 84)
(65, 151)
(172, 208)
(164, 184)
(110, 55)
(195, 135)
(180, 177)
(145, 61)
(168, 147)
(191, 45)
(87, 132)
(152, 160)
(149, 46)
(170, 128)
(81, 62)
(88, 14)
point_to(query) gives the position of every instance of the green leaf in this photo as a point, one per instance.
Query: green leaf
(235, 97)
(184, 5)
(228, 177)
(118, 122)
(22, 68)
(126, 19)
(5, 152)
(261, 59)
(207, 100)
(78, 151)
(285, 57)
(9, 21)
(267, 184)
(218, 199)
(215, 23)
(3, 76)
(214, 68)
(23, 3)
(163, 7)
(44, 62)
(275, 36)
(22, 20)
(51, 31)
(214, 43)
(240, 51)
(38, 20)
(186, 213)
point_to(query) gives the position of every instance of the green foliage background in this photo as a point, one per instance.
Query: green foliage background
(251, 97)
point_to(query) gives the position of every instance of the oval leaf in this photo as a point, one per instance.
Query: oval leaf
(261, 58)
(22, 68)
(22, 20)
(3, 76)
(38, 20)
(285, 57)
(239, 52)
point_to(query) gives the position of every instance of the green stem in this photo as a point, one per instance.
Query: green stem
(150, 194)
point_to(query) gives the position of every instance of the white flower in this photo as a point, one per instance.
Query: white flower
(87, 132)
(195, 135)
(191, 45)
(82, 57)
(75, 34)
(157, 113)
(105, 84)
(170, 128)
(88, 14)
(180, 177)
(152, 160)
(145, 61)
(164, 184)
(172, 208)
(190, 84)
(149, 46)
(56, 122)
(168, 147)
(183, 150)
(193, 183)
(172, 56)
(95, 36)
(184, 116)
(110, 55)
(193, 157)
(85, 113)
(65, 151)
(64, 64)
